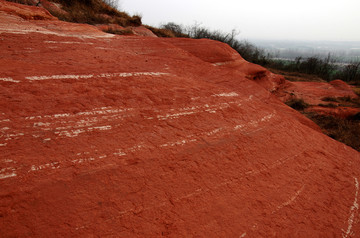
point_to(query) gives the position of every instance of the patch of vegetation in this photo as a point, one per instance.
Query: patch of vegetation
(325, 68)
(175, 29)
(350, 100)
(330, 105)
(118, 31)
(297, 104)
(346, 131)
(329, 99)
(357, 90)
(161, 32)
(344, 101)
(90, 12)
(95, 12)
(247, 50)
(350, 73)
(355, 117)
(296, 76)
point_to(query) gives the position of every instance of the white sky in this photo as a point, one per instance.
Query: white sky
(258, 19)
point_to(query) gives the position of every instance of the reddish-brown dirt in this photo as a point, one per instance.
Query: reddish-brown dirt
(116, 136)
(340, 112)
(316, 94)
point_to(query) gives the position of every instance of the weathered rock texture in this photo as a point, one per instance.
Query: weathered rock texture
(315, 94)
(147, 137)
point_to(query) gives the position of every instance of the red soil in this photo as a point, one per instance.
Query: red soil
(342, 112)
(313, 93)
(106, 135)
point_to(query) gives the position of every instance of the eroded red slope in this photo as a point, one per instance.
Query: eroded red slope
(146, 137)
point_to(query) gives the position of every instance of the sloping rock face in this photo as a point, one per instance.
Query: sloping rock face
(25, 12)
(148, 137)
(316, 94)
(311, 92)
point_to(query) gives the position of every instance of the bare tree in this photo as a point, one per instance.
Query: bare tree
(351, 72)
(113, 3)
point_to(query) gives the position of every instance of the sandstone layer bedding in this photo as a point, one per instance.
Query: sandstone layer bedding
(129, 136)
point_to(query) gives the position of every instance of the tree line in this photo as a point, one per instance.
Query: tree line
(324, 67)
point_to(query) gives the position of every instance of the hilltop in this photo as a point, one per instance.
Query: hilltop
(102, 14)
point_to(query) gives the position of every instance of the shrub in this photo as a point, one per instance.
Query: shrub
(160, 32)
(118, 31)
(112, 3)
(247, 50)
(324, 68)
(315, 65)
(91, 12)
(94, 12)
(297, 104)
(177, 30)
(350, 73)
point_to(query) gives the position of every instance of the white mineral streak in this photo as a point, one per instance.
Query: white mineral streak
(9, 80)
(89, 76)
(231, 94)
(68, 42)
(353, 210)
(7, 173)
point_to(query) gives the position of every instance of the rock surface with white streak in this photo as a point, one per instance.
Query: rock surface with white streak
(147, 137)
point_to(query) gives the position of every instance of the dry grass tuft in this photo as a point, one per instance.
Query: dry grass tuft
(95, 12)
(346, 131)
(89, 11)
(161, 32)
(119, 31)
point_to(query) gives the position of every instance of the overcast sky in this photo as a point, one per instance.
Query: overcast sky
(258, 19)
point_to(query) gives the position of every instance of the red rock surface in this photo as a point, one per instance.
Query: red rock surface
(132, 30)
(342, 112)
(142, 31)
(310, 92)
(316, 94)
(313, 92)
(26, 12)
(148, 137)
